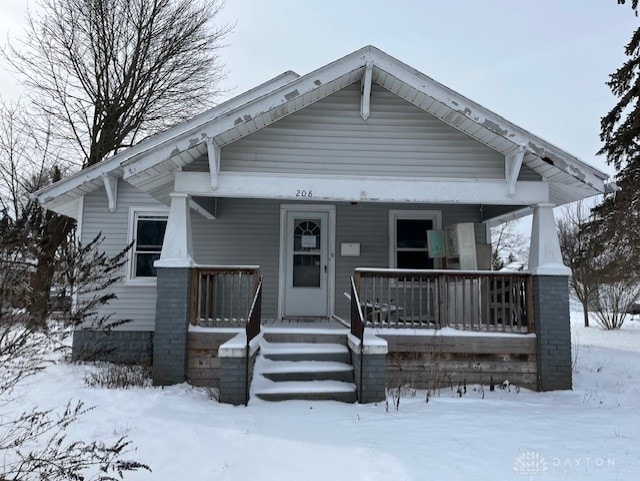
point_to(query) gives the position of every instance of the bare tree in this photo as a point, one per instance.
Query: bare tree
(579, 255)
(111, 72)
(507, 245)
(601, 278)
(106, 74)
(30, 236)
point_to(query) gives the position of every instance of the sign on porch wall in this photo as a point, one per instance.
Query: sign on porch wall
(350, 249)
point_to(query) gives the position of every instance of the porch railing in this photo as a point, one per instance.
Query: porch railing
(255, 313)
(222, 296)
(252, 329)
(357, 318)
(470, 300)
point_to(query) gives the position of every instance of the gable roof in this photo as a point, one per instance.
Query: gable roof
(150, 164)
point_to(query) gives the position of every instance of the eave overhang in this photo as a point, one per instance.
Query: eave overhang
(150, 165)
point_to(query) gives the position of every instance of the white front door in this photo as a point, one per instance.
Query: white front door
(306, 264)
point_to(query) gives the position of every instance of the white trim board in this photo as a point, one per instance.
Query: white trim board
(350, 189)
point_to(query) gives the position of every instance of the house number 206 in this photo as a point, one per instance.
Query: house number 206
(304, 193)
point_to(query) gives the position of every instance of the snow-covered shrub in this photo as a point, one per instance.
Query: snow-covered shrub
(35, 444)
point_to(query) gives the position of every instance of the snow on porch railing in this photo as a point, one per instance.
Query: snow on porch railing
(470, 300)
(222, 296)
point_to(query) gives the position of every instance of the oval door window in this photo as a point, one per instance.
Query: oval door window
(306, 253)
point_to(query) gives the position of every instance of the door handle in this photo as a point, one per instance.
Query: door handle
(325, 268)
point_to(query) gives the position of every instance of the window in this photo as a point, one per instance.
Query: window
(147, 233)
(408, 247)
(306, 253)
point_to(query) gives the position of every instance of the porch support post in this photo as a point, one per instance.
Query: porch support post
(177, 248)
(545, 258)
(551, 302)
(173, 295)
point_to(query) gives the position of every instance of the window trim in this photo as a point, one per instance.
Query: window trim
(394, 215)
(134, 213)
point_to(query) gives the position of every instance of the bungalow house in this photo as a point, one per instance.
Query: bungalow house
(360, 193)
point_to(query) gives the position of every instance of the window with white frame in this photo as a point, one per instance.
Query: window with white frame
(146, 231)
(408, 247)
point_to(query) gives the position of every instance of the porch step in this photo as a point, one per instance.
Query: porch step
(303, 371)
(302, 351)
(309, 391)
(307, 371)
(306, 335)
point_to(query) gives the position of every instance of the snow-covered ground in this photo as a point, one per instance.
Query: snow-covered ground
(592, 432)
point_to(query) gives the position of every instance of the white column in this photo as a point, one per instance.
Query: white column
(177, 248)
(545, 258)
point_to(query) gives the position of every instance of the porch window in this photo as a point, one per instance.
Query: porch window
(147, 234)
(408, 238)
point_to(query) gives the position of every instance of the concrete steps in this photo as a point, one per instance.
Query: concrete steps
(307, 371)
(304, 371)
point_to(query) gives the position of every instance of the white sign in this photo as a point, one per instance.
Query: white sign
(308, 242)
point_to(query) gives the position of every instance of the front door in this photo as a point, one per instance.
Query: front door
(306, 264)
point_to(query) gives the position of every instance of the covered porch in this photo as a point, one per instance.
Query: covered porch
(426, 327)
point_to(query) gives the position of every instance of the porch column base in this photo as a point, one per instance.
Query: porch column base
(553, 332)
(172, 326)
(369, 368)
(235, 374)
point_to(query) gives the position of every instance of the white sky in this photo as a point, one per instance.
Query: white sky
(541, 64)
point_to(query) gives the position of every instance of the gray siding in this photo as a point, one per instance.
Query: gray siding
(368, 224)
(134, 302)
(247, 231)
(330, 137)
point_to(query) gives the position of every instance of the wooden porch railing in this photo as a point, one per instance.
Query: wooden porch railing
(470, 300)
(223, 296)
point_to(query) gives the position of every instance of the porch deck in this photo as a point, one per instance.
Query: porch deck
(442, 328)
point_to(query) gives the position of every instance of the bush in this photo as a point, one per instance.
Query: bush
(34, 444)
(119, 376)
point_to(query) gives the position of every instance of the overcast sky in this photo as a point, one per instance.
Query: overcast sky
(540, 64)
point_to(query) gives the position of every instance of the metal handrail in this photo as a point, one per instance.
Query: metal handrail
(252, 329)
